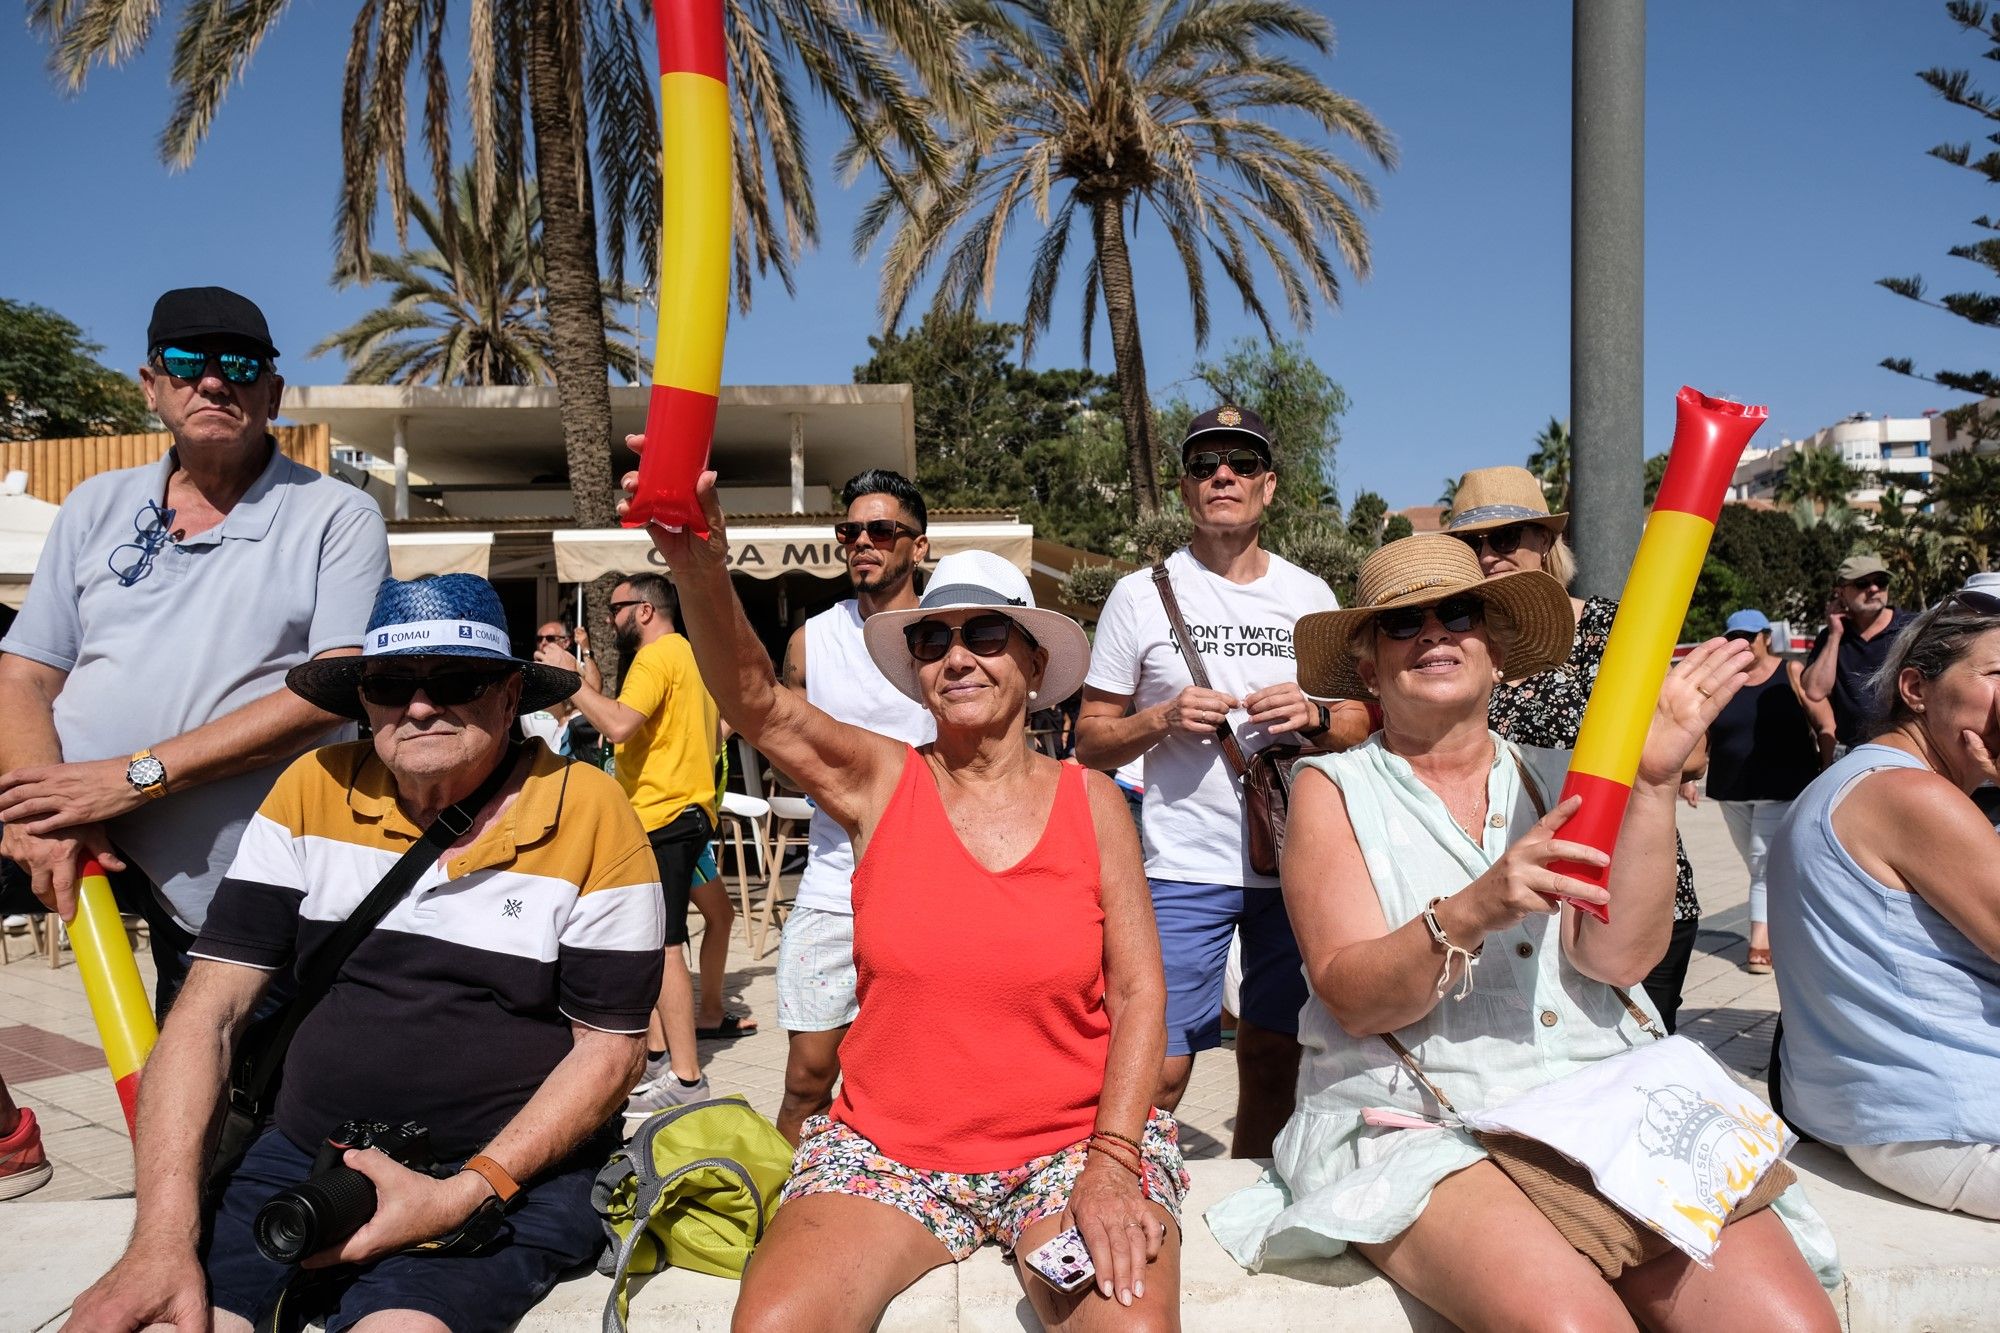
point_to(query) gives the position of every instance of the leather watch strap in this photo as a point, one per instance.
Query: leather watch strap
(504, 1186)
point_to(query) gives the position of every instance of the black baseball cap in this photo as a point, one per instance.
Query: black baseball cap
(203, 312)
(1221, 427)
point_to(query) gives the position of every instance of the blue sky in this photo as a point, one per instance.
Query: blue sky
(1785, 172)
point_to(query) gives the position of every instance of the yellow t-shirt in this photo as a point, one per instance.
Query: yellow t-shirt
(668, 764)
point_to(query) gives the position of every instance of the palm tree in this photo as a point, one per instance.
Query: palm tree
(1965, 488)
(532, 109)
(1550, 464)
(479, 319)
(1819, 478)
(1087, 110)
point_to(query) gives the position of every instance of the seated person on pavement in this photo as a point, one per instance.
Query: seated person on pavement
(1885, 890)
(1437, 803)
(997, 1079)
(501, 1002)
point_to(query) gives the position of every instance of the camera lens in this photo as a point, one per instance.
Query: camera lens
(322, 1211)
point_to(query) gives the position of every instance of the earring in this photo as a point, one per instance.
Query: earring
(1034, 694)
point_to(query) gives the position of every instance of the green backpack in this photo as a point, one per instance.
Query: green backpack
(694, 1189)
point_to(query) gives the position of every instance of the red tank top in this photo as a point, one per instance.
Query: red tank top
(982, 1035)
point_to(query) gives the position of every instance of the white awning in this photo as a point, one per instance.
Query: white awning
(583, 554)
(415, 554)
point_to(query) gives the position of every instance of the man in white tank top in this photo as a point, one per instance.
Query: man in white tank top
(883, 537)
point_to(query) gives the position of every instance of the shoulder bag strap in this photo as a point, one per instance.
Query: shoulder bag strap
(1230, 748)
(451, 824)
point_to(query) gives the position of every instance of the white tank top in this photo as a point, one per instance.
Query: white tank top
(843, 681)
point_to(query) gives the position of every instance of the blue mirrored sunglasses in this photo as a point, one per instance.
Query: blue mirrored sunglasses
(243, 368)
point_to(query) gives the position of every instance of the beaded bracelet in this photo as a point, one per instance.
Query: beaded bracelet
(1133, 1144)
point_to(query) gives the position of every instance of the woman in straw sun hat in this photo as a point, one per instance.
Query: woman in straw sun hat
(1415, 870)
(1501, 514)
(998, 1078)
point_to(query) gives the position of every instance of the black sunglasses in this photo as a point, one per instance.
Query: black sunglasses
(241, 368)
(1985, 603)
(611, 609)
(1879, 582)
(1500, 541)
(881, 531)
(983, 636)
(1456, 614)
(446, 689)
(1742, 635)
(1245, 463)
(552, 638)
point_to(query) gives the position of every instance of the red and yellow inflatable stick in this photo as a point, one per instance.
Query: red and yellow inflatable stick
(1709, 436)
(694, 263)
(111, 982)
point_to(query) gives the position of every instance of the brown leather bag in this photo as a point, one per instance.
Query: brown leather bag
(1264, 777)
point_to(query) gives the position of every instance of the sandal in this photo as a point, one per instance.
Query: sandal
(1758, 962)
(730, 1028)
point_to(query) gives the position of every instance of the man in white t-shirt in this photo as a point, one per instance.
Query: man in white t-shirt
(1239, 602)
(883, 536)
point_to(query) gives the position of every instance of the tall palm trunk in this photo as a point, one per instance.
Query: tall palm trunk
(1114, 275)
(575, 288)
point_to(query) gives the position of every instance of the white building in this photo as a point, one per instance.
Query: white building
(1889, 450)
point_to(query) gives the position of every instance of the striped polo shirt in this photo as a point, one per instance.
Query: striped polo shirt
(458, 1005)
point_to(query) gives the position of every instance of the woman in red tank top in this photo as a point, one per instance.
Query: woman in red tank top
(997, 1082)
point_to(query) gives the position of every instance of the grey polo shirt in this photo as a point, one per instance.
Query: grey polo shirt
(213, 624)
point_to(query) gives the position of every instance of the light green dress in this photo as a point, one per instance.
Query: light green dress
(1531, 1018)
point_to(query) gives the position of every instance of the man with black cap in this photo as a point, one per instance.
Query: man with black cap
(1860, 628)
(1239, 603)
(143, 683)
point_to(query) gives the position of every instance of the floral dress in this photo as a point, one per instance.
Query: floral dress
(1546, 709)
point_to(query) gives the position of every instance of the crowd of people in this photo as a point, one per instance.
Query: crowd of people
(457, 880)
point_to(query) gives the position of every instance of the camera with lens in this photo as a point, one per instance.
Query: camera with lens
(335, 1201)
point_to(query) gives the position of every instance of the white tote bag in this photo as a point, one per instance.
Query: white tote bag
(1664, 1130)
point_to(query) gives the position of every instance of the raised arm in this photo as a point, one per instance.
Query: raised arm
(850, 772)
(1625, 949)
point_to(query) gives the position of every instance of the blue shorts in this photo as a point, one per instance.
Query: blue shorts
(1196, 922)
(552, 1228)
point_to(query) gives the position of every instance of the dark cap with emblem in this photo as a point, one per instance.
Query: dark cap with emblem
(208, 312)
(1225, 427)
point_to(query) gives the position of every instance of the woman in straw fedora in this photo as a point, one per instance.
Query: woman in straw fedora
(997, 1082)
(1415, 869)
(1501, 514)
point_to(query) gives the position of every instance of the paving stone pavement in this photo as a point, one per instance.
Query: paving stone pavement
(1726, 1009)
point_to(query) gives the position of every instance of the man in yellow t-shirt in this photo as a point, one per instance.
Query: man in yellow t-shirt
(667, 730)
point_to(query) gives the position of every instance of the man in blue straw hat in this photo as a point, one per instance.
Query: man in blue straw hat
(501, 1002)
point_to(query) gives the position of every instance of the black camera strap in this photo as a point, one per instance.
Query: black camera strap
(257, 1070)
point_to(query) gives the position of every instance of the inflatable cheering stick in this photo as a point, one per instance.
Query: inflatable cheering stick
(694, 264)
(1709, 437)
(111, 983)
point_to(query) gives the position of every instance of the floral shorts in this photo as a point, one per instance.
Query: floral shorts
(965, 1211)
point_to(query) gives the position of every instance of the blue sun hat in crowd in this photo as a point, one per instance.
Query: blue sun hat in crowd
(448, 615)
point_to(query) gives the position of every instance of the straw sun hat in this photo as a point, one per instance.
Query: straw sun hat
(1493, 497)
(1421, 571)
(982, 581)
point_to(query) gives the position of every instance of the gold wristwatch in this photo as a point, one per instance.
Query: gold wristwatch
(147, 775)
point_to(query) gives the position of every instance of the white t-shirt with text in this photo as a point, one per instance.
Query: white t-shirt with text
(1193, 823)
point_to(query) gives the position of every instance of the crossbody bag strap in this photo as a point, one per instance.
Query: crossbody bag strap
(1230, 748)
(1542, 808)
(451, 824)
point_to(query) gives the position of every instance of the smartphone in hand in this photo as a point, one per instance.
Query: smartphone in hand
(1062, 1261)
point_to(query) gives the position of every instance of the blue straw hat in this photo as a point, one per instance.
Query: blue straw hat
(450, 615)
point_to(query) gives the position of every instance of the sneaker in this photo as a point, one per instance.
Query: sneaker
(657, 1067)
(663, 1092)
(24, 1167)
(14, 925)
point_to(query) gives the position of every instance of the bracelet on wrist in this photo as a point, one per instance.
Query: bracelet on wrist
(1468, 957)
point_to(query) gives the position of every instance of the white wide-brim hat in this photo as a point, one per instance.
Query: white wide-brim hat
(981, 581)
